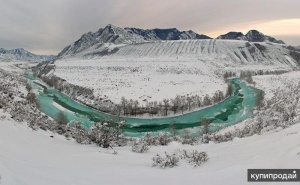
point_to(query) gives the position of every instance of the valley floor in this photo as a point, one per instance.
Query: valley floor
(144, 79)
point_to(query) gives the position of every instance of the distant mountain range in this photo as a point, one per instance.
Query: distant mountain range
(123, 36)
(21, 54)
(252, 36)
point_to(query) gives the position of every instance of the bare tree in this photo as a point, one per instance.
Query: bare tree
(189, 100)
(136, 106)
(150, 105)
(62, 118)
(160, 108)
(118, 109)
(221, 95)
(124, 104)
(182, 102)
(228, 90)
(166, 105)
(130, 107)
(176, 103)
(173, 128)
(205, 125)
(206, 100)
(199, 101)
(155, 107)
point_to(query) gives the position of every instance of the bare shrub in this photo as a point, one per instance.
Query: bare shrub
(195, 157)
(140, 147)
(169, 160)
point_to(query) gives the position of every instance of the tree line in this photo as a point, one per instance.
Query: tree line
(179, 104)
(130, 107)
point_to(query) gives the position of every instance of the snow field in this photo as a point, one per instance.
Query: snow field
(34, 158)
(270, 84)
(142, 80)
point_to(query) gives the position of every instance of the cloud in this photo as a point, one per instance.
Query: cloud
(49, 25)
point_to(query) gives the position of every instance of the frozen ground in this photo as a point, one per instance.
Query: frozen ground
(33, 158)
(270, 84)
(143, 79)
(10, 66)
(153, 71)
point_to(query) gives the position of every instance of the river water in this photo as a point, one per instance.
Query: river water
(233, 110)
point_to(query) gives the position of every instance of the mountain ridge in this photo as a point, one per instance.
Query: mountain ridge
(113, 35)
(20, 54)
(251, 36)
(117, 35)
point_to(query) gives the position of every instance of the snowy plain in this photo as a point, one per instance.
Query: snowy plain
(142, 80)
(270, 84)
(10, 66)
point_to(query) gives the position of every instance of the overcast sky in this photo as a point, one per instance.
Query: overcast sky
(47, 26)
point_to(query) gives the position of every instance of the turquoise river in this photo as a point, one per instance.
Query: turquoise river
(238, 107)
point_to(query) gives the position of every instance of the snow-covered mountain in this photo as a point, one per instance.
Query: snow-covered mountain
(117, 35)
(233, 36)
(166, 34)
(21, 54)
(256, 36)
(236, 52)
(252, 36)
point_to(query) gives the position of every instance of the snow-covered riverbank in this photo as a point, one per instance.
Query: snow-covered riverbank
(34, 158)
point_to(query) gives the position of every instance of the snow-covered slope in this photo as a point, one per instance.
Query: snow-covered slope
(117, 35)
(34, 158)
(237, 52)
(271, 84)
(21, 54)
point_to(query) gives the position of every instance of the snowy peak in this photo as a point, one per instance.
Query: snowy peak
(233, 36)
(19, 51)
(116, 35)
(166, 34)
(256, 36)
(21, 54)
(252, 36)
(186, 35)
